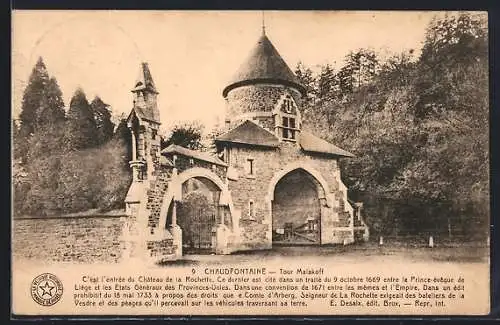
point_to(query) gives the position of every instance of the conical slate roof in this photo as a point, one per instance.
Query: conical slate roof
(264, 65)
(144, 80)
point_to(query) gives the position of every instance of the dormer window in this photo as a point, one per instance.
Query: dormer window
(287, 118)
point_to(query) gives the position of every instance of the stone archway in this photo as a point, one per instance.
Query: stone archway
(297, 201)
(176, 200)
(198, 214)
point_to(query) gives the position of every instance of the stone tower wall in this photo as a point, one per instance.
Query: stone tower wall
(247, 102)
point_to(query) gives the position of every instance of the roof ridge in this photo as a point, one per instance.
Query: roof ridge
(260, 126)
(197, 154)
(249, 132)
(311, 145)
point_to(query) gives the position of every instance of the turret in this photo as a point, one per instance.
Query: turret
(265, 90)
(144, 122)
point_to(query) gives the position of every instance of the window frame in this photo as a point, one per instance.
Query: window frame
(288, 132)
(250, 167)
(251, 208)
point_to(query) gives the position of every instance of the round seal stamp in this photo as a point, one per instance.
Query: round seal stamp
(46, 289)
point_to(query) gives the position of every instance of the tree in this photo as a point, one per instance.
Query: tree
(307, 79)
(359, 68)
(32, 98)
(51, 112)
(398, 70)
(326, 83)
(17, 141)
(452, 45)
(102, 117)
(187, 135)
(122, 137)
(81, 130)
(418, 128)
(50, 122)
(42, 199)
(122, 131)
(33, 94)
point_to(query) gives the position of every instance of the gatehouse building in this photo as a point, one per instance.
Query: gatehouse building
(270, 182)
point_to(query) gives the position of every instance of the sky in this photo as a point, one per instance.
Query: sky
(192, 55)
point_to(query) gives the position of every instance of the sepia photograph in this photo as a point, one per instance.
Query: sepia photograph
(250, 163)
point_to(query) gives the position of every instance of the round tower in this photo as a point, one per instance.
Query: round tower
(265, 90)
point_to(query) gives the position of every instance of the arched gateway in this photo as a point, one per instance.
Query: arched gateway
(268, 181)
(296, 209)
(196, 203)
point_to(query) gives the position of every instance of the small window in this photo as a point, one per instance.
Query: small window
(153, 134)
(310, 224)
(288, 105)
(288, 128)
(251, 209)
(250, 167)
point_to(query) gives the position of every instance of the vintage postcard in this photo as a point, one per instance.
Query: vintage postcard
(221, 163)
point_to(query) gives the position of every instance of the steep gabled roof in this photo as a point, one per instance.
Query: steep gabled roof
(147, 113)
(175, 149)
(311, 143)
(144, 83)
(250, 133)
(144, 80)
(264, 65)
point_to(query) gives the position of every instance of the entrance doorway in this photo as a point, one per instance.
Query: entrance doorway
(198, 215)
(296, 210)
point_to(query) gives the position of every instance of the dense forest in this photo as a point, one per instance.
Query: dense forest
(418, 125)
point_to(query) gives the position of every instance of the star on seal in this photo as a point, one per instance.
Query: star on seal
(46, 289)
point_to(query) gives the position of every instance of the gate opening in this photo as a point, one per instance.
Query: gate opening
(198, 214)
(296, 210)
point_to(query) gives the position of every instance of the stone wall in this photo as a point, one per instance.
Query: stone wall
(69, 239)
(267, 163)
(156, 192)
(254, 230)
(184, 163)
(257, 98)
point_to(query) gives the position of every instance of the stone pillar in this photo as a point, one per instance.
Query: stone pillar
(176, 231)
(174, 213)
(137, 167)
(134, 145)
(222, 233)
(174, 228)
(327, 220)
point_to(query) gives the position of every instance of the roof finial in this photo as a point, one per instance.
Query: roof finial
(263, 24)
